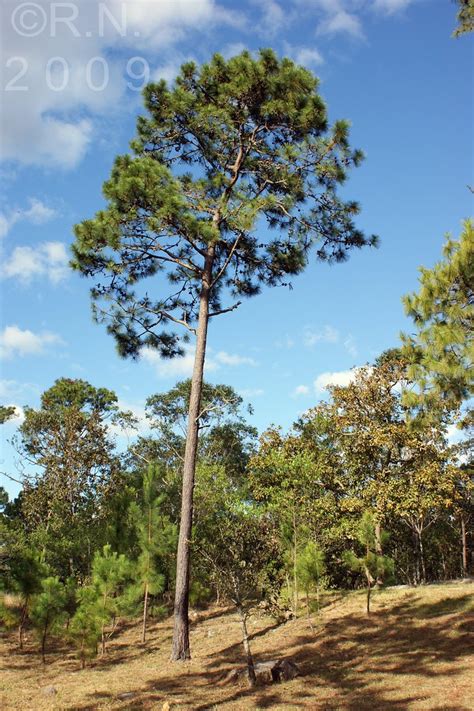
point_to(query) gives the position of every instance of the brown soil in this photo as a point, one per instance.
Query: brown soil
(414, 652)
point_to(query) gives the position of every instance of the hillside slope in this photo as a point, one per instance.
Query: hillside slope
(415, 652)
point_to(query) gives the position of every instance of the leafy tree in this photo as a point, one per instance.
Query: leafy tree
(242, 559)
(110, 574)
(48, 610)
(465, 17)
(22, 576)
(232, 145)
(441, 353)
(371, 565)
(311, 569)
(156, 538)
(283, 476)
(223, 431)
(6, 413)
(74, 468)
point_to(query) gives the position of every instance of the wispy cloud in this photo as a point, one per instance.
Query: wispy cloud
(301, 391)
(327, 334)
(36, 214)
(48, 259)
(341, 377)
(390, 7)
(183, 367)
(17, 342)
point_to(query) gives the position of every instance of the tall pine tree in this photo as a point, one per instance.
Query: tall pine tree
(232, 146)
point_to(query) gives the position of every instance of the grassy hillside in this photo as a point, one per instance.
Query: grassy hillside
(415, 651)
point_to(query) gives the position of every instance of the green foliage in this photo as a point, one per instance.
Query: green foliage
(76, 471)
(110, 574)
(85, 629)
(156, 539)
(465, 17)
(441, 353)
(6, 413)
(231, 143)
(372, 565)
(311, 566)
(48, 609)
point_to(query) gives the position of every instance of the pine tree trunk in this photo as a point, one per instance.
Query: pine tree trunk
(295, 561)
(181, 650)
(145, 613)
(245, 641)
(21, 626)
(43, 644)
(464, 546)
(378, 549)
(308, 611)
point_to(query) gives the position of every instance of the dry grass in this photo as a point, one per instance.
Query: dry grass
(414, 652)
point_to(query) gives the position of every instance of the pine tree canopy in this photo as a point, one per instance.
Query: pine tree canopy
(441, 353)
(234, 170)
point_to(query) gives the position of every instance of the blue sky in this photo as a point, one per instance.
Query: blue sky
(390, 66)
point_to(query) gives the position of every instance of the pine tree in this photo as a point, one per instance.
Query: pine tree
(85, 629)
(311, 568)
(110, 574)
(156, 537)
(48, 610)
(371, 565)
(232, 145)
(441, 353)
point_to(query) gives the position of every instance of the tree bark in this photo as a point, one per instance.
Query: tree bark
(378, 550)
(145, 613)
(181, 650)
(43, 644)
(464, 547)
(245, 641)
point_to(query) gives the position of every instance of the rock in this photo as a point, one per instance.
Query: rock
(210, 633)
(126, 695)
(49, 691)
(166, 706)
(266, 672)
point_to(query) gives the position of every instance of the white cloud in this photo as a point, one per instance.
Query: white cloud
(37, 214)
(232, 49)
(251, 392)
(50, 121)
(48, 260)
(183, 367)
(16, 342)
(328, 334)
(307, 56)
(300, 390)
(350, 346)
(341, 377)
(341, 21)
(233, 359)
(273, 17)
(391, 6)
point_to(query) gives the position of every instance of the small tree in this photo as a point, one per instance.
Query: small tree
(156, 537)
(85, 629)
(372, 565)
(311, 568)
(48, 610)
(232, 145)
(110, 572)
(23, 579)
(241, 558)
